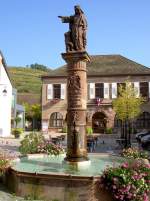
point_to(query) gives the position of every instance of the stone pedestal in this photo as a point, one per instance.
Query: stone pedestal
(77, 103)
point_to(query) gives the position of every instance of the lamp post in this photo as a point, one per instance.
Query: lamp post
(4, 90)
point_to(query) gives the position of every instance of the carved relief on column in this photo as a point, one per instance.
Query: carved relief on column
(74, 91)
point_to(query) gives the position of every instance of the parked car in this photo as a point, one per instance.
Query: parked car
(145, 142)
(141, 135)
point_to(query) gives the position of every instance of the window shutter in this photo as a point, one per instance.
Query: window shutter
(137, 89)
(114, 90)
(63, 91)
(92, 90)
(49, 91)
(106, 90)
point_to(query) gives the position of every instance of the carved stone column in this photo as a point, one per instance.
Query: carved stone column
(77, 103)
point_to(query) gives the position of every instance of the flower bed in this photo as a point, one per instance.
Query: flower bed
(128, 182)
(134, 153)
(35, 143)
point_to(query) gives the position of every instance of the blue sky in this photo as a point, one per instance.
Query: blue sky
(31, 32)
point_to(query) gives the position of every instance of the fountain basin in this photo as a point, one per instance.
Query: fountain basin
(47, 178)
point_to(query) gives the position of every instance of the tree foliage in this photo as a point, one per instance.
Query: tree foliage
(127, 105)
(39, 67)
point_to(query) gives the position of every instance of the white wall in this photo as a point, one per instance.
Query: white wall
(5, 102)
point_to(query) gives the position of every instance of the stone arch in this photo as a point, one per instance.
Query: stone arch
(99, 121)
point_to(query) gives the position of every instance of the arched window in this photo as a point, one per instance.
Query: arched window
(56, 120)
(143, 121)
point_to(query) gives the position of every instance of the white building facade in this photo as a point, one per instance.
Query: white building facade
(5, 99)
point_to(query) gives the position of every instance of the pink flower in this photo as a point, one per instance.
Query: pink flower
(125, 165)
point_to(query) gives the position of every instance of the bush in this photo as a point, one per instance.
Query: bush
(4, 163)
(17, 132)
(128, 182)
(35, 143)
(50, 148)
(89, 131)
(134, 153)
(64, 130)
(108, 130)
(29, 145)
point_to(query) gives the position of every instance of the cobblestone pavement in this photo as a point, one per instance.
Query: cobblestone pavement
(6, 196)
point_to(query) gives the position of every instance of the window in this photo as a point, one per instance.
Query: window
(99, 90)
(144, 89)
(56, 120)
(57, 91)
(143, 120)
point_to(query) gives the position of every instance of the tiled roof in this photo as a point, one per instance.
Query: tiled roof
(107, 65)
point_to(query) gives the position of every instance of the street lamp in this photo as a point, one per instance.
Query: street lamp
(4, 91)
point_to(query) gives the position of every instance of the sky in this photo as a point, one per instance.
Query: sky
(31, 32)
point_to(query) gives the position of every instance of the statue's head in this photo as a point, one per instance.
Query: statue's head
(78, 10)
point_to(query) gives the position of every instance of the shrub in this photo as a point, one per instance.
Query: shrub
(108, 130)
(29, 145)
(17, 132)
(127, 182)
(50, 148)
(35, 143)
(4, 163)
(64, 130)
(89, 131)
(134, 153)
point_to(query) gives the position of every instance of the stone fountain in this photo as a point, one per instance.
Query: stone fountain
(62, 178)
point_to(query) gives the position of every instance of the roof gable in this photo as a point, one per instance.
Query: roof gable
(2, 60)
(107, 65)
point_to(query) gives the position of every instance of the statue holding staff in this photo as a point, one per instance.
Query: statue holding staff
(75, 38)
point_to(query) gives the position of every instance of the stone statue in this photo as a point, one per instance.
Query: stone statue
(75, 38)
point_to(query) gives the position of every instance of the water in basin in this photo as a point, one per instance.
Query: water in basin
(55, 165)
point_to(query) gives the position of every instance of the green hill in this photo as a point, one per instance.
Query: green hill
(28, 83)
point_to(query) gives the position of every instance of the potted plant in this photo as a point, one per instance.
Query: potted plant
(89, 131)
(17, 132)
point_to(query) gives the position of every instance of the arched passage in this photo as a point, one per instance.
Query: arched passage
(99, 122)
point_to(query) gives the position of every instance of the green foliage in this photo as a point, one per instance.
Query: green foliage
(17, 132)
(127, 105)
(36, 111)
(29, 145)
(17, 120)
(64, 129)
(89, 130)
(108, 130)
(27, 80)
(32, 111)
(39, 67)
(128, 181)
(134, 153)
(4, 164)
(35, 143)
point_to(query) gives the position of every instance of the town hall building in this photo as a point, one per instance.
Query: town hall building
(105, 73)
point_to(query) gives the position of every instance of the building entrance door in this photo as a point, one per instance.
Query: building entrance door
(99, 122)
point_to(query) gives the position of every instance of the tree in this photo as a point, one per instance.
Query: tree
(36, 114)
(127, 107)
(17, 120)
(33, 114)
(39, 67)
